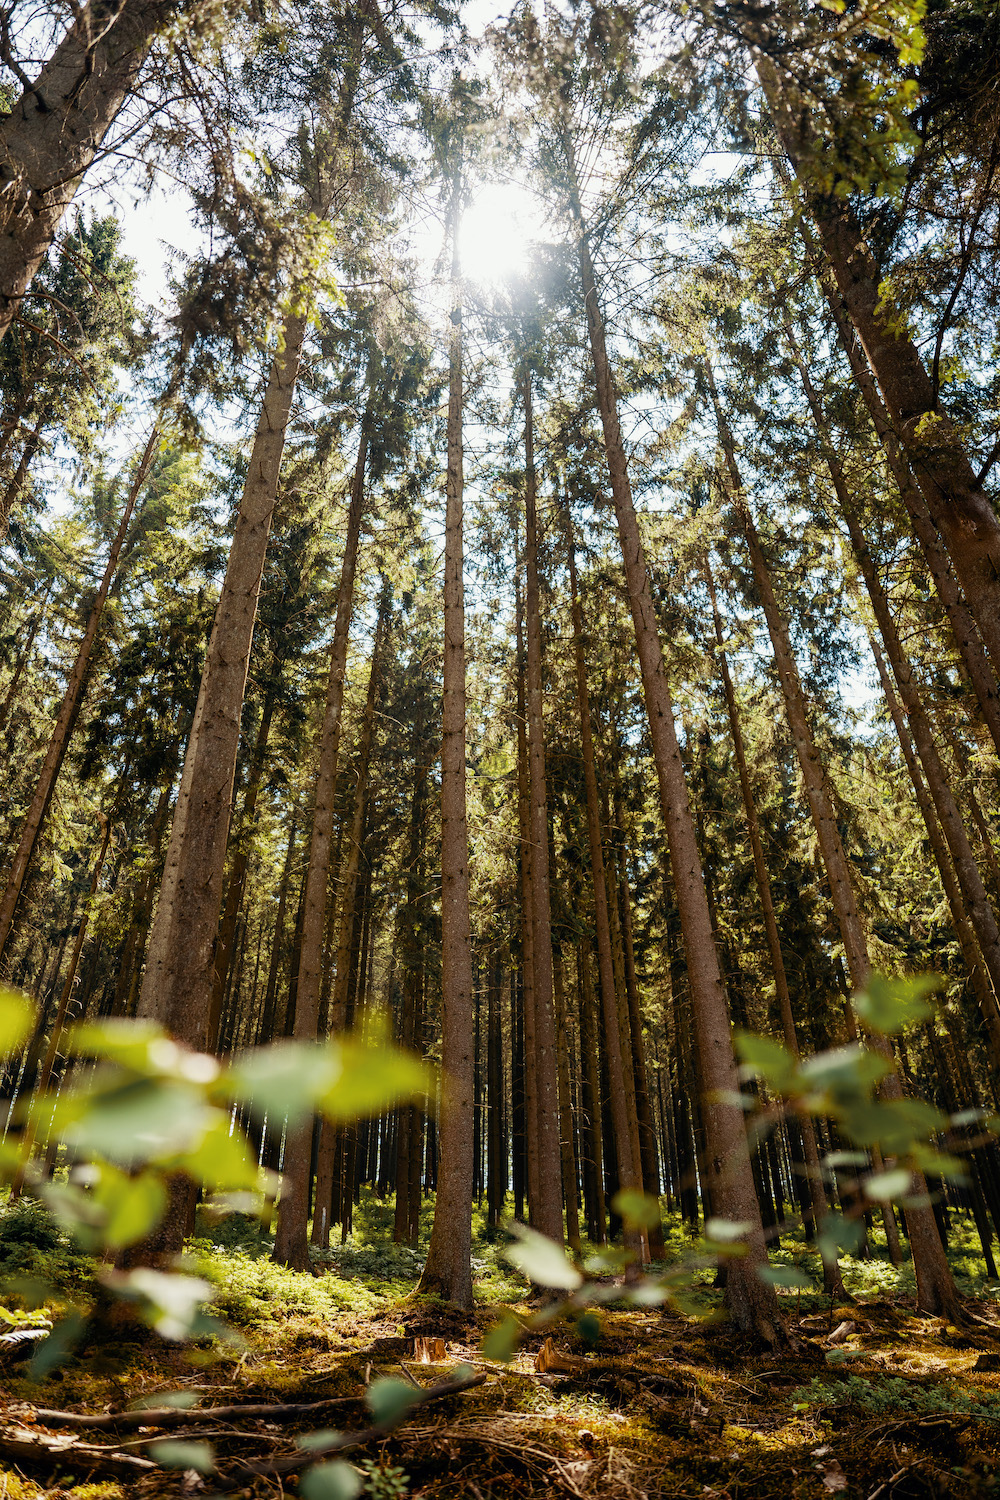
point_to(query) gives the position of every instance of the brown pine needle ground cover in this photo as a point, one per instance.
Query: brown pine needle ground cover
(665, 1404)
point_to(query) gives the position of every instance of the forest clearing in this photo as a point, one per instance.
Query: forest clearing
(500, 733)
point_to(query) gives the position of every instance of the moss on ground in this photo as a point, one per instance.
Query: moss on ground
(668, 1403)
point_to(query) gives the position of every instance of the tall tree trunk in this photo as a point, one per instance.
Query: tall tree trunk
(966, 635)
(629, 1171)
(311, 963)
(936, 1290)
(177, 985)
(55, 129)
(751, 1301)
(971, 955)
(956, 500)
(644, 1115)
(12, 493)
(832, 1280)
(546, 1202)
(448, 1268)
(23, 658)
(529, 1048)
(291, 1244)
(241, 861)
(976, 902)
(590, 1092)
(72, 697)
(59, 1020)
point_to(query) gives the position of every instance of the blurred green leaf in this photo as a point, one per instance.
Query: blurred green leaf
(588, 1326)
(892, 1184)
(141, 1046)
(837, 1233)
(725, 1230)
(786, 1276)
(639, 1210)
(180, 1455)
(171, 1304)
(17, 1020)
(542, 1260)
(372, 1074)
(502, 1340)
(132, 1205)
(128, 1122)
(333, 1481)
(322, 1438)
(181, 1400)
(388, 1399)
(222, 1158)
(845, 1071)
(766, 1058)
(60, 1343)
(889, 1005)
(287, 1078)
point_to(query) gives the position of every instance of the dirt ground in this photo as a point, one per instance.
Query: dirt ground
(894, 1407)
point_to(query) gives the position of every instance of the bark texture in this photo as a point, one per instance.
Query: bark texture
(957, 502)
(177, 984)
(448, 1268)
(56, 127)
(69, 708)
(547, 1211)
(752, 1302)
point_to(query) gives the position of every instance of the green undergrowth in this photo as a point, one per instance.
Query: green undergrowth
(884, 1395)
(368, 1271)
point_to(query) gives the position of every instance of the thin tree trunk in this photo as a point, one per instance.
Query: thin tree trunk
(291, 1243)
(936, 1290)
(832, 1280)
(10, 696)
(529, 1051)
(12, 493)
(177, 985)
(311, 964)
(59, 1020)
(957, 502)
(644, 1114)
(976, 902)
(752, 1302)
(72, 697)
(963, 627)
(963, 928)
(546, 1202)
(628, 1166)
(55, 129)
(241, 861)
(448, 1268)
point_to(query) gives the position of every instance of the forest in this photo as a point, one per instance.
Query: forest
(499, 749)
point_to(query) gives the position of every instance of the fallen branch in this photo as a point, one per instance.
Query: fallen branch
(29, 1447)
(301, 1458)
(179, 1416)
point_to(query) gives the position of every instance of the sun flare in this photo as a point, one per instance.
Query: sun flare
(497, 230)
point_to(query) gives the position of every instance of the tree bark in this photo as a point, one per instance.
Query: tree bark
(72, 697)
(177, 985)
(936, 1290)
(832, 1280)
(448, 1268)
(56, 127)
(291, 1244)
(628, 1165)
(751, 1301)
(547, 1196)
(966, 635)
(957, 502)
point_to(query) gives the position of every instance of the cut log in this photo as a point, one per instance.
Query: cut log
(550, 1360)
(429, 1351)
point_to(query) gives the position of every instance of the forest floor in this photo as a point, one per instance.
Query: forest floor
(663, 1404)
